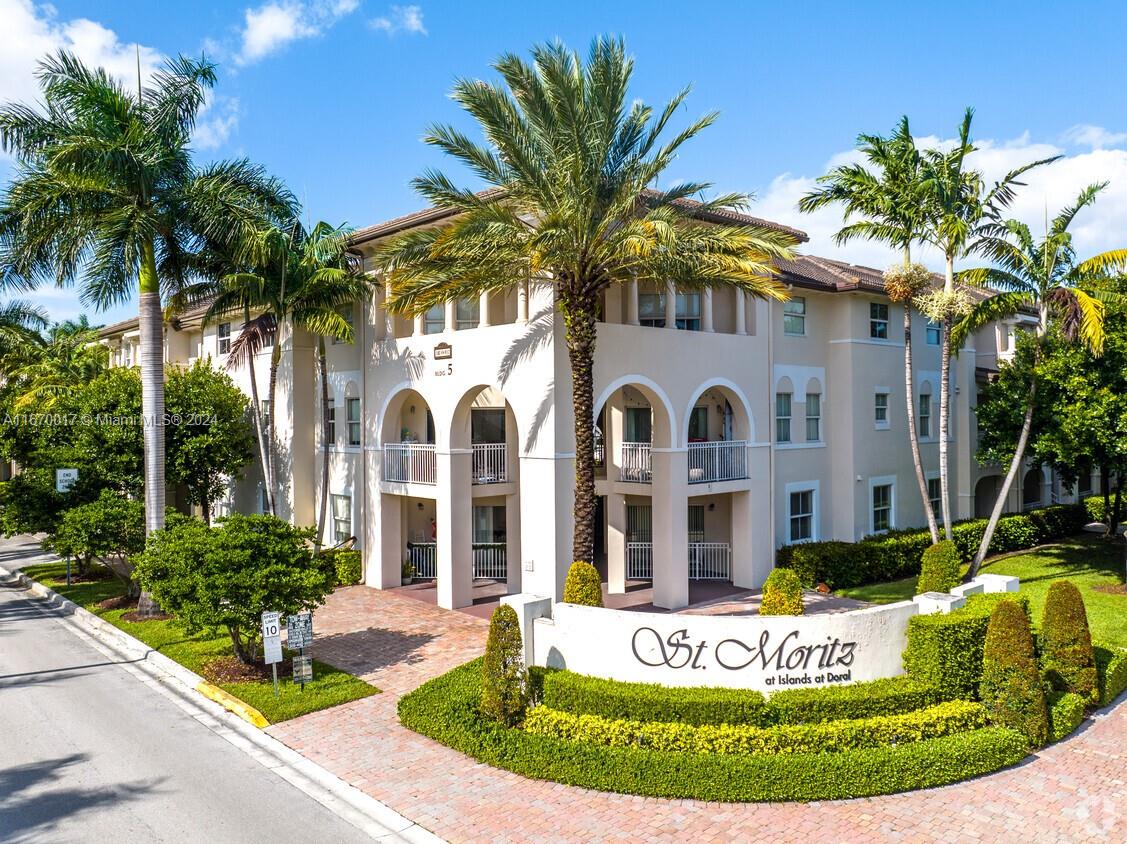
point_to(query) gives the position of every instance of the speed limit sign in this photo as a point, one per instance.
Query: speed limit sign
(271, 637)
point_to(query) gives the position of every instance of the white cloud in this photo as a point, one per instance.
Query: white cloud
(1094, 137)
(217, 120)
(400, 19)
(272, 26)
(1047, 189)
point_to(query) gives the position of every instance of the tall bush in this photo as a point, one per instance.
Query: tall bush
(1067, 656)
(583, 585)
(782, 594)
(1012, 690)
(502, 672)
(939, 568)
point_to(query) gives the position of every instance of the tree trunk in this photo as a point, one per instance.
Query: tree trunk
(579, 309)
(944, 421)
(322, 515)
(205, 506)
(1113, 518)
(913, 435)
(151, 323)
(244, 650)
(260, 434)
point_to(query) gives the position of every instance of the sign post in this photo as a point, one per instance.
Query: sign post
(272, 643)
(64, 479)
(299, 636)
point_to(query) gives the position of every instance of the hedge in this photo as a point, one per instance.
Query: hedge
(348, 565)
(945, 719)
(445, 709)
(1066, 713)
(1012, 688)
(939, 568)
(615, 700)
(782, 594)
(1066, 642)
(945, 649)
(1111, 672)
(897, 554)
(583, 585)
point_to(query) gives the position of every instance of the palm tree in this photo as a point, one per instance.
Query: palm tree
(105, 191)
(49, 371)
(887, 194)
(571, 163)
(20, 327)
(958, 207)
(1044, 277)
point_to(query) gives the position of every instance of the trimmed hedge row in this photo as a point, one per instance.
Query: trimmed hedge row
(897, 554)
(945, 650)
(445, 709)
(347, 563)
(614, 700)
(958, 716)
(1066, 713)
(1111, 672)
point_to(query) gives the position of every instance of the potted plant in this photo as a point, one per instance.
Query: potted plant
(408, 573)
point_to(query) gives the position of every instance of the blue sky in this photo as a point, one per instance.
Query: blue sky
(333, 95)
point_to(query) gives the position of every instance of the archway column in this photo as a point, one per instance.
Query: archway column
(670, 528)
(454, 527)
(513, 569)
(616, 543)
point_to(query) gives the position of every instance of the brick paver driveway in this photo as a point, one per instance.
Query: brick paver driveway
(1076, 791)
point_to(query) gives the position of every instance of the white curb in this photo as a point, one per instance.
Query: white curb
(178, 684)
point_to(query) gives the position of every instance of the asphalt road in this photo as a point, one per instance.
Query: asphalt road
(90, 753)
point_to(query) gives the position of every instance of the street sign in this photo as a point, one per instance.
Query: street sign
(64, 479)
(303, 670)
(271, 637)
(299, 631)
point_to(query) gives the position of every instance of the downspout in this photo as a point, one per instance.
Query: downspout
(770, 426)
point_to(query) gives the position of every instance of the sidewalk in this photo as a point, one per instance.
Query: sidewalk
(1075, 791)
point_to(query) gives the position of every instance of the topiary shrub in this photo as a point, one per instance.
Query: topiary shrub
(1066, 713)
(349, 567)
(1012, 691)
(782, 594)
(583, 585)
(939, 569)
(1111, 668)
(503, 678)
(1067, 657)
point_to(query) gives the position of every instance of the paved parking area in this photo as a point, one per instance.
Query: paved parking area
(1073, 792)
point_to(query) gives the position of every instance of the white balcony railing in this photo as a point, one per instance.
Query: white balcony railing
(717, 461)
(489, 561)
(424, 557)
(635, 463)
(412, 463)
(490, 465)
(707, 561)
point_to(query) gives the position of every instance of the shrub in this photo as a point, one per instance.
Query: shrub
(945, 650)
(583, 585)
(833, 562)
(782, 594)
(890, 696)
(1012, 690)
(227, 576)
(110, 530)
(348, 564)
(1111, 671)
(1067, 657)
(1066, 713)
(939, 569)
(502, 670)
(446, 710)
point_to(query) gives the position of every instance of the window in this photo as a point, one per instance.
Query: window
(639, 523)
(925, 415)
(801, 505)
(263, 501)
(878, 320)
(1084, 484)
(434, 321)
(639, 425)
(782, 417)
(353, 407)
(264, 410)
(696, 523)
(794, 316)
(880, 409)
(698, 424)
(224, 338)
(487, 425)
(813, 417)
(331, 423)
(933, 334)
(651, 309)
(882, 507)
(346, 314)
(489, 524)
(342, 517)
(466, 313)
(935, 496)
(688, 311)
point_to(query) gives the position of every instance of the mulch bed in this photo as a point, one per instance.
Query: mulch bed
(121, 602)
(1112, 589)
(229, 669)
(136, 617)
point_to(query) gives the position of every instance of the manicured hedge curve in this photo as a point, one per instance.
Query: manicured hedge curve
(1111, 672)
(945, 719)
(582, 695)
(1066, 713)
(445, 709)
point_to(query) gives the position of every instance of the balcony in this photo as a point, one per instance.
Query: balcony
(725, 460)
(410, 463)
(490, 463)
(489, 560)
(634, 465)
(707, 561)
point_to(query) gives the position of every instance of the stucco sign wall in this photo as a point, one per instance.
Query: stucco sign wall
(767, 653)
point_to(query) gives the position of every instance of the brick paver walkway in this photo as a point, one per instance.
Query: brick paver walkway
(1074, 792)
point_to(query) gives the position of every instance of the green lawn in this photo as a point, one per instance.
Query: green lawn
(330, 686)
(1086, 560)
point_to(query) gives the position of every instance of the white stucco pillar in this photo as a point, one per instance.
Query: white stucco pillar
(418, 327)
(483, 311)
(512, 543)
(743, 534)
(389, 318)
(389, 549)
(670, 305)
(616, 543)
(449, 314)
(454, 528)
(632, 302)
(522, 302)
(741, 312)
(706, 309)
(670, 528)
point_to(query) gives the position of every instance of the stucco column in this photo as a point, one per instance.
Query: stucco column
(454, 526)
(419, 327)
(448, 313)
(741, 312)
(670, 528)
(616, 543)
(388, 549)
(706, 309)
(483, 311)
(522, 302)
(632, 302)
(512, 543)
(743, 533)
(389, 318)
(670, 305)
(614, 436)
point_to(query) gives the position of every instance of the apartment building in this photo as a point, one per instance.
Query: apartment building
(727, 427)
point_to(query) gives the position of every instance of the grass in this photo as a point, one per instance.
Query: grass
(330, 685)
(1086, 560)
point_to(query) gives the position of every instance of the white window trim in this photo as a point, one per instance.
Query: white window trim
(805, 313)
(882, 480)
(820, 417)
(887, 423)
(351, 515)
(932, 418)
(933, 475)
(803, 486)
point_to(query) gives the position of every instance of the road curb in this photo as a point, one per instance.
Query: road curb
(364, 812)
(232, 704)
